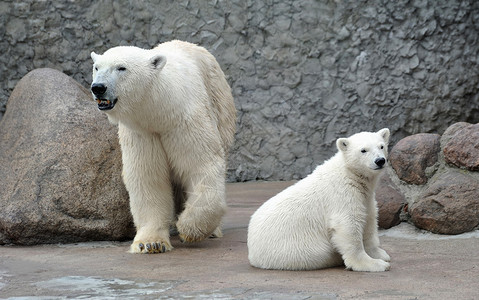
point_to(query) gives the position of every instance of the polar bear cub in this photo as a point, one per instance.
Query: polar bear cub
(328, 218)
(176, 121)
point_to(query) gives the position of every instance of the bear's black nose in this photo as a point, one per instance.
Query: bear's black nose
(380, 162)
(98, 89)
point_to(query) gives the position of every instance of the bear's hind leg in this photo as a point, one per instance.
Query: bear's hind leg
(205, 206)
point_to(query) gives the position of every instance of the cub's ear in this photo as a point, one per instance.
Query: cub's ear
(342, 144)
(158, 61)
(384, 133)
(94, 56)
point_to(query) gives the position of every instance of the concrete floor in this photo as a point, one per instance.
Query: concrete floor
(424, 266)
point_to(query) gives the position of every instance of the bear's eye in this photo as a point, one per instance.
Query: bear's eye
(363, 151)
(382, 147)
(121, 69)
(96, 69)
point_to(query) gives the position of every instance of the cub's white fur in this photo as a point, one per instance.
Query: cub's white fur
(328, 218)
(176, 120)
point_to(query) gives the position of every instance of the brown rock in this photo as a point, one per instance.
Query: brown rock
(412, 155)
(452, 130)
(60, 165)
(462, 149)
(448, 206)
(390, 203)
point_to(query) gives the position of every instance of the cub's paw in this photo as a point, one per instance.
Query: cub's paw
(379, 254)
(150, 247)
(368, 265)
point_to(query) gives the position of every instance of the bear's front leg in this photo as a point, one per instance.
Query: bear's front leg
(370, 236)
(205, 205)
(347, 238)
(147, 179)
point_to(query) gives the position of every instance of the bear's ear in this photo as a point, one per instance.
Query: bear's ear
(94, 56)
(384, 133)
(342, 144)
(158, 61)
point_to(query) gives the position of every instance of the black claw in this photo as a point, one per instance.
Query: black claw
(182, 240)
(163, 248)
(148, 247)
(141, 246)
(155, 246)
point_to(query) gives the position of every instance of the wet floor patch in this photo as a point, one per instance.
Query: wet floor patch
(256, 295)
(249, 294)
(84, 287)
(3, 276)
(81, 287)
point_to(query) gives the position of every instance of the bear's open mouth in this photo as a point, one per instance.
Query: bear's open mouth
(104, 104)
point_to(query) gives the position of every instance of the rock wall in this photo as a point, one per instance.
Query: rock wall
(303, 72)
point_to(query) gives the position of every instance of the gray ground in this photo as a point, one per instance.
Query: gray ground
(424, 266)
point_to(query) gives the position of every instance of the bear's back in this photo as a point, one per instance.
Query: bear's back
(221, 103)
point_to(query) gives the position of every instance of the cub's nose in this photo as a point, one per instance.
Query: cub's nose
(98, 89)
(380, 162)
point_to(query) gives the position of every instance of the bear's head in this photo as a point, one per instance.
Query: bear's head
(365, 152)
(122, 76)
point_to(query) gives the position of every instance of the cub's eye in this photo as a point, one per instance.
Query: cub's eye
(96, 69)
(382, 147)
(363, 151)
(121, 69)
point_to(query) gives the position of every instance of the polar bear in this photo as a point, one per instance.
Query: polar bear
(176, 121)
(328, 218)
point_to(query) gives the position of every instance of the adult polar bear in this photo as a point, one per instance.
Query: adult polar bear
(176, 121)
(328, 217)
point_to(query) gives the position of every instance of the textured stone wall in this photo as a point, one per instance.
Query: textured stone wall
(303, 72)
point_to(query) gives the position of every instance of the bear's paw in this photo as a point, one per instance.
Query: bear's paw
(368, 265)
(197, 238)
(379, 254)
(150, 247)
(197, 223)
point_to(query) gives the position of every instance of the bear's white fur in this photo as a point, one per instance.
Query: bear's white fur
(328, 218)
(176, 121)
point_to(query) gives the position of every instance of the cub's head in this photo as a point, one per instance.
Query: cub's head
(365, 152)
(122, 75)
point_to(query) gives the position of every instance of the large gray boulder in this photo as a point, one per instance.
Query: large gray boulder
(60, 166)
